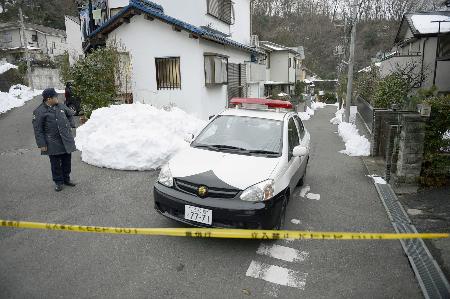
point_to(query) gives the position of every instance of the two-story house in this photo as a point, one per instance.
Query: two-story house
(422, 47)
(189, 53)
(283, 65)
(41, 41)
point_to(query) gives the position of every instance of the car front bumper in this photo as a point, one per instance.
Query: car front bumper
(229, 213)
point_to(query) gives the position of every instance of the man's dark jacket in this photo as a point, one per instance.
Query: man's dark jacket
(52, 129)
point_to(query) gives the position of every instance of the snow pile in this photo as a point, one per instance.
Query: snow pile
(134, 137)
(424, 24)
(4, 67)
(17, 96)
(317, 105)
(307, 114)
(355, 144)
(377, 179)
(339, 115)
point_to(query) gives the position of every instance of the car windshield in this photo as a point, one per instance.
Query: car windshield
(247, 135)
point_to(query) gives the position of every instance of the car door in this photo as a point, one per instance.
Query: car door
(294, 163)
(304, 141)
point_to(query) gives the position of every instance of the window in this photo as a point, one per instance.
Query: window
(293, 139)
(222, 10)
(444, 47)
(268, 61)
(7, 37)
(34, 38)
(301, 128)
(53, 45)
(216, 69)
(289, 62)
(168, 75)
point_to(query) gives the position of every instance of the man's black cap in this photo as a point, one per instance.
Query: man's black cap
(49, 93)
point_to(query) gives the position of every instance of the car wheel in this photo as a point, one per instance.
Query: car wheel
(73, 108)
(282, 217)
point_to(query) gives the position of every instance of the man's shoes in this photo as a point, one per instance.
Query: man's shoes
(70, 183)
(58, 188)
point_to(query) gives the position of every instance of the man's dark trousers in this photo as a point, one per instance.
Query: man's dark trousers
(61, 168)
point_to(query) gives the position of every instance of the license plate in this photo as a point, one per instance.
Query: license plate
(198, 214)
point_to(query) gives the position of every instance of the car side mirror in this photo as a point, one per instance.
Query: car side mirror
(300, 151)
(188, 138)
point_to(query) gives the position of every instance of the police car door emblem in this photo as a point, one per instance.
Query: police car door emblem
(202, 191)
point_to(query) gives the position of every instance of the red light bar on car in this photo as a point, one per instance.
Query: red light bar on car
(265, 102)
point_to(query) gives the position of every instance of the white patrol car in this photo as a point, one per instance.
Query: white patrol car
(240, 171)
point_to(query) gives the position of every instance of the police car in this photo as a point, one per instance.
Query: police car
(240, 171)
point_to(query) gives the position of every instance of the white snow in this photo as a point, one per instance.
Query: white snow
(304, 190)
(310, 111)
(355, 144)
(6, 67)
(17, 96)
(295, 221)
(339, 115)
(377, 179)
(277, 275)
(313, 196)
(282, 253)
(134, 137)
(446, 135)
(317, 105)
(424, 25)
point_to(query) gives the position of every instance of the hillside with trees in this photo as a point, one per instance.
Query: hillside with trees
(322, 25)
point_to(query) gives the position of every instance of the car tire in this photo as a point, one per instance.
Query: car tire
(282, 217)
(73, 108)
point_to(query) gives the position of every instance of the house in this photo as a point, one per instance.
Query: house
(42, 41)
(74, 38)
(191, 54)
(283, 66)
(422, 48)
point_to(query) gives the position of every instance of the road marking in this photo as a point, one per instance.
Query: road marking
(313, 196)
(282, 253)
(277, 275)
(304, 190)
(295, 221)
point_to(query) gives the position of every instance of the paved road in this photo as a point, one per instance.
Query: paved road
(60, 264)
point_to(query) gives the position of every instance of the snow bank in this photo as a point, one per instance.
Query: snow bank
(355, 144)
(310, 111)
(17, 96)
(134, 137)
(4, 67)
(339, 115)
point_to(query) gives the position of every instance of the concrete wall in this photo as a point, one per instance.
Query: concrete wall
(14, 42)
(145, 40)
(46, 77)
(195, 12)
(279, 66)
(74, 40)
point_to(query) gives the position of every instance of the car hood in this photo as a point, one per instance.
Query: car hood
(221, 170)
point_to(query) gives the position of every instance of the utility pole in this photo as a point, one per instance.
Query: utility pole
(351, 62)
(24, 43)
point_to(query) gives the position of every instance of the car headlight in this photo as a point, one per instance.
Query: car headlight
(259, 192)
(165, 176)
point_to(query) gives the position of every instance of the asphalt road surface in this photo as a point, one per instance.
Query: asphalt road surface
(38, 264)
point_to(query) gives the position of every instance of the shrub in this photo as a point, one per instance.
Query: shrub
(94, 78)
(392, 89)
(329, 98)
(10, 78)
(436, 166)
(367, 83)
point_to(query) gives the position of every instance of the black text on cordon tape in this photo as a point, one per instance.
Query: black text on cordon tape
(221, 232)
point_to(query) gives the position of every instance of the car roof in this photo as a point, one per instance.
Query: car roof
(268, 114)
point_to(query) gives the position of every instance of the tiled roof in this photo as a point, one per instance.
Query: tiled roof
(157, 12)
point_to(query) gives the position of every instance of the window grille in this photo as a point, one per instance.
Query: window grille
(221, 9)
(168, 75)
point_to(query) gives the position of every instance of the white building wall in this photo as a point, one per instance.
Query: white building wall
(291, 69)
(146, 40)
(15, 38)
(279, 66)
(74, 40)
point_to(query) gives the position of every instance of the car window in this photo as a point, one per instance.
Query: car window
(246, 133)
(301, 128)
(293, 139)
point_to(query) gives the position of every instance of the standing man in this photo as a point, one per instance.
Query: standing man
(52, 123)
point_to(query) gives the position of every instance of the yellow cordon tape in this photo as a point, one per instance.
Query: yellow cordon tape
(220, 232)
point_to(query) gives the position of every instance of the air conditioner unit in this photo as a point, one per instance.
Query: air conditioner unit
(255, 40)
